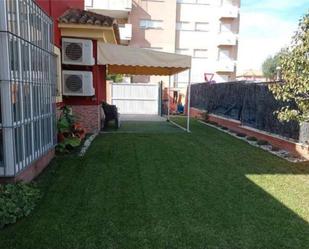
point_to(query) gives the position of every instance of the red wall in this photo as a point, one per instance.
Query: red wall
(56, 8)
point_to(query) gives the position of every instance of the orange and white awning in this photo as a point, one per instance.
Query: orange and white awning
(138, 61)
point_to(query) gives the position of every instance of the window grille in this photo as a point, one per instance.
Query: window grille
(28, 83)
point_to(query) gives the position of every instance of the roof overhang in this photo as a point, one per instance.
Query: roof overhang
(105, 34)
(138, 61)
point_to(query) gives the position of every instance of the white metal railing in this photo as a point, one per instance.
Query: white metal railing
(123, 5)
(225, 65)
(229, 12)
(125, 32)
(227, 38)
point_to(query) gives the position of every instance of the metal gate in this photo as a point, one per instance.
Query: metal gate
(136, 98)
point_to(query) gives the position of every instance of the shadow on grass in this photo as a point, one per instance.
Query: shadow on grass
(169, 190)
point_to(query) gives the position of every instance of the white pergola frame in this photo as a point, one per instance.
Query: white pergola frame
(137, 61)
(188, 104)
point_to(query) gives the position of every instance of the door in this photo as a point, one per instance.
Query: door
(136, 98)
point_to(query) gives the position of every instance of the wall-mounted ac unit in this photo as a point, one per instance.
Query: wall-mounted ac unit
(77, 83)
(77, 52)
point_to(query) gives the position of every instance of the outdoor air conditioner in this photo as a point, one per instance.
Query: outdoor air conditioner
(77, 52)
(77, 83)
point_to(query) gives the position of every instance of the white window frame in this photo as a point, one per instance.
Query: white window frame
(148, 21)
(200, 50)
(201, 23)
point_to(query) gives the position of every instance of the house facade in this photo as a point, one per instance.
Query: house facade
(33, 85)
(28, 88)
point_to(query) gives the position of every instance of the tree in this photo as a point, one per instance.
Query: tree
(294, 62)
(115, 77)
(270, 65)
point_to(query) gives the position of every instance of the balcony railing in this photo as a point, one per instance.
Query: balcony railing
(125, 32)
(225, 66)
(121, 5)
(227, 39)
(229, 12)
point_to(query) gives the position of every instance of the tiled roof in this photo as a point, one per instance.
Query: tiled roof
(78, 16)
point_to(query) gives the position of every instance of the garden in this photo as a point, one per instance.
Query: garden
(155, 189)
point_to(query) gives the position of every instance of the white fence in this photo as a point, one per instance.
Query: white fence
(136, 98)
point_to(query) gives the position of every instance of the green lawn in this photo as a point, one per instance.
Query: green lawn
(168, 190)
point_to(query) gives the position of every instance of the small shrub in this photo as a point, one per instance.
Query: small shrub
(16, 201)
(251, 138)
(241, 135)
(224, 128)
(70, 133)
(262, 142)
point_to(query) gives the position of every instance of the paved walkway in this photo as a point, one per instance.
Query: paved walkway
(141, 117)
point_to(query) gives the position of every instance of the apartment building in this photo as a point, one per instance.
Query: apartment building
(205, 29)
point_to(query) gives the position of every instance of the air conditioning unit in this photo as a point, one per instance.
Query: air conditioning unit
(77, 52)
(77, 83)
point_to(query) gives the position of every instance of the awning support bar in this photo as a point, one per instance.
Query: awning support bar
(189, 100)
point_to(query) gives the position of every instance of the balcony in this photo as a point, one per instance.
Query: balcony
(227, 39)
(225, 66)
(112, 8)
(229, 12)
(125, 33)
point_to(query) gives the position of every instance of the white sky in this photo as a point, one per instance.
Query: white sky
(266, 27)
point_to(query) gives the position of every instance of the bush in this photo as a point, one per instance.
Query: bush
(224, 128)
(262, 142)
(70, 133)
(251, 138)
(241, 135)
(16, 201)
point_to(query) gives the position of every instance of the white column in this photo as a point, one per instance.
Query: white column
(6, 103)
(189, 100)
(168, 97)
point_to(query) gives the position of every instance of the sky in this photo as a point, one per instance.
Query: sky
(265, 27)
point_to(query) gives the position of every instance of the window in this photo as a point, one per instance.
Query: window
(154, 48)
(89, 3)
(201, 26)
(28, 95)
(184, 26)
(151, 24)
(153, 0)
(200, 53)
(194, 1)
(184, 51)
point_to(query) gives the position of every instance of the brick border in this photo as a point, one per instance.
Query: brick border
(31, 171)
(295, 148)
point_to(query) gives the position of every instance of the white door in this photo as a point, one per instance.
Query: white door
(136, 98)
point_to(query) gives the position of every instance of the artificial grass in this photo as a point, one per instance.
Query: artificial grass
(205, 189)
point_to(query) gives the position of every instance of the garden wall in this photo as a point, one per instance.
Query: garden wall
(250, 103)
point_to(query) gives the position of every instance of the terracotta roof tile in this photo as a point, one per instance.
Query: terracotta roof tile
(78, 16)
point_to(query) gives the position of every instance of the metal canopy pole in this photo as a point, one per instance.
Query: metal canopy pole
(168, 97)
(189, 100)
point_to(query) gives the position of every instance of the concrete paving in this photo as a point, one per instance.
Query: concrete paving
(141, 118)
